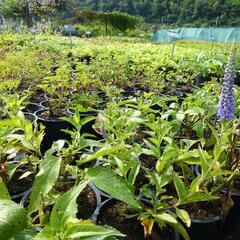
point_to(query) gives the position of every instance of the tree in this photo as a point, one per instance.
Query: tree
(27, 9)
(118, 20)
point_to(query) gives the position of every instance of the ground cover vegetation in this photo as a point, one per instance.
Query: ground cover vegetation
(121, 140)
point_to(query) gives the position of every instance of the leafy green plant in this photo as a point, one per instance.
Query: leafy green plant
(13, 218)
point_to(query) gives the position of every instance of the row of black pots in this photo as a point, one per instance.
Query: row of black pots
(207, 228)
(200, 229)
(53, 128)
(201, 80)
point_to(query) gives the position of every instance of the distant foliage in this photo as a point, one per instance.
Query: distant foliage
(116, 20)
(27, 9)
(195, 12)
(120, 21)
(169, 12)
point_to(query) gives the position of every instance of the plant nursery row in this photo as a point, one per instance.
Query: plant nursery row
(112, 138)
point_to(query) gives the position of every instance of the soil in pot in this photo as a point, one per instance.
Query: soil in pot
(139, 135)
(86, 201)
(170, 91)
(132, 228)
(186, 88)
(50, 103)
(147, 162)
(76, 158)
(37, 96)
(206, 220)
(53, 114)
(16, 185)
(128, 92)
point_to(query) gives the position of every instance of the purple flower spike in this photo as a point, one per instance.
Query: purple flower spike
(226, 103)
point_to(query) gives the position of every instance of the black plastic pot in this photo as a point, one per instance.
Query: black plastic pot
(53, 131)
(88, 128)
(197, 170)
(204, 229)
(85, 59)
(31, 117)
(109, 203)
(233, 217)
(21, 197)
(200, 80)
(32, 108)
(129, 92)
(236, 199)
(101, 94)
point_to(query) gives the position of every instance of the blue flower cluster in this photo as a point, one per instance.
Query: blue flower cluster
(226, 103)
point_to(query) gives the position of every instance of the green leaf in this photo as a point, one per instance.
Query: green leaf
(87, 230)
(179, 227)
(205, 161)
(44, 181)
(190, 157)
(219, 172)
(85, 120)
(47, 233)
(199, 197)
(179, 185)
(103, 151)
(24, 235)
(155, 150)
(184, 216)
(108, 181)
(58, 145)
(199, 128)
(194, 187)
(13, 219)
(65, 208)
(4, 194)
(166, 217)
(11, 169)
(133, 173)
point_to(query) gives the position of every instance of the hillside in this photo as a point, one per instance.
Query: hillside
(180, 12)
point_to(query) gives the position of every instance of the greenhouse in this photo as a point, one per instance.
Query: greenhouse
(199, 34)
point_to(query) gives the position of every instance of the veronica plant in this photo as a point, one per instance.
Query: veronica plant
(226, 104)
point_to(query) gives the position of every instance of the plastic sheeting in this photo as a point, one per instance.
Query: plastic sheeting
(199, 34)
